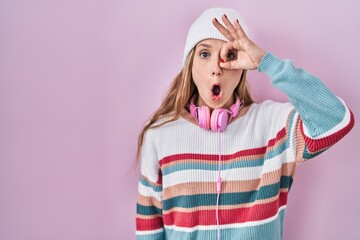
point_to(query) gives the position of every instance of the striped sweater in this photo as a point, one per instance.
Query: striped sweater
(260, 151)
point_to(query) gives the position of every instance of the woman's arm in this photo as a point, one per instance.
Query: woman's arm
(149, 222)
(323, 118)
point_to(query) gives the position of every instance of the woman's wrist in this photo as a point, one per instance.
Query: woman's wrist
(260, 58)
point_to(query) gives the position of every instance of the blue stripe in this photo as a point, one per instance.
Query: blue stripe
(155, 236)
(226, 165)
(212, 167)
(291, 122)
(146, 183)
(278, 150)
(270, 231)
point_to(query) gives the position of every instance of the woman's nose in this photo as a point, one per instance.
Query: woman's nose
(217, 70)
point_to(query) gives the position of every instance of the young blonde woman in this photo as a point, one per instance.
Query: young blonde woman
(216, 165)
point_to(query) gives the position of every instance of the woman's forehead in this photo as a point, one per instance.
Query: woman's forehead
(210, 43)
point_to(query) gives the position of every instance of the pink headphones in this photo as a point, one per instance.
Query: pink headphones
(219, 118)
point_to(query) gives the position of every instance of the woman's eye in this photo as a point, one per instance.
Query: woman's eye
(230, 56)
(204, 54)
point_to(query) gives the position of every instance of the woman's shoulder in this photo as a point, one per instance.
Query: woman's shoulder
(161, 129)
(270, 110)
(269, 106)
(162, 122)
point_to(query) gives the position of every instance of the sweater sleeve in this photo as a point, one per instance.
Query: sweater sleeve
(320, 118)
(149, 223)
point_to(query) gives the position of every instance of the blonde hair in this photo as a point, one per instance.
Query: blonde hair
(179, 94)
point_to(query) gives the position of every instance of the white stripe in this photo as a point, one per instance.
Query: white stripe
(227, 226)
(293, 136)
(335, 129)
(237, 174)
(149, 192)
(149, 232)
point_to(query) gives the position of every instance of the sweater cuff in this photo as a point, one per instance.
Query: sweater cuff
(268, 64)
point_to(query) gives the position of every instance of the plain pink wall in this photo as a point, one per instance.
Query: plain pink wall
(78, 79)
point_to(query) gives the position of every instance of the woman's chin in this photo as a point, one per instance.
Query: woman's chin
(216, 104)
(215, 101)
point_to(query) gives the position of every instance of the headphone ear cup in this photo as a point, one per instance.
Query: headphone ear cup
(204, 117)
(219, 119)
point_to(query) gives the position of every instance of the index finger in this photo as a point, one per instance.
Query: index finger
(223, 30)
(240, 31)
(231, 29)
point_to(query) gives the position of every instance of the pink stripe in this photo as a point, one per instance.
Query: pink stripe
(148, 224)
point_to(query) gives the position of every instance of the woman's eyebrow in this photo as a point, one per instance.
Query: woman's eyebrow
(204, 45)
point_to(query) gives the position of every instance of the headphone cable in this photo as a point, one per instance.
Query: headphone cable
(218, 187)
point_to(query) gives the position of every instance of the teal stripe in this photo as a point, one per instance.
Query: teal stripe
(307, 155)
(286, 181)
(270, 231)
(146, 183)
(147, 210)
(156, 236)
(196, 200)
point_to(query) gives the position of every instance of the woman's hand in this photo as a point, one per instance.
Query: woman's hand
(249, 54)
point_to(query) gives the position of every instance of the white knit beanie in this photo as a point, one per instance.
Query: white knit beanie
(203, 27)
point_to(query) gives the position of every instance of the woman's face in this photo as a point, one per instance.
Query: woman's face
(215, 84)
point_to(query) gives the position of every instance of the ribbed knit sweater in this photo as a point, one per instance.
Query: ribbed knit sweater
(260, 152)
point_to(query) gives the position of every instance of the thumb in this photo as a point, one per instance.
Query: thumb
(230, 65)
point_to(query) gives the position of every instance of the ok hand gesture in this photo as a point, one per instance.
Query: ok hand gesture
(249, 54)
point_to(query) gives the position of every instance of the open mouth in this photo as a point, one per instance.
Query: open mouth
(216, 92)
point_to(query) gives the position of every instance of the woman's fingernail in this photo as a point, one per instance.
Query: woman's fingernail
(225, 15)
(222, 60)
(237, 21)
(215, 20)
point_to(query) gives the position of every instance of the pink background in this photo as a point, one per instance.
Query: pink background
(78, 79)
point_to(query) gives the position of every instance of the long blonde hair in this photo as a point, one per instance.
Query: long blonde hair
(178, 96)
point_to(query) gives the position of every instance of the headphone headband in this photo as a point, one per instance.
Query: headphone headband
(234, 109)
(218, 119)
